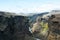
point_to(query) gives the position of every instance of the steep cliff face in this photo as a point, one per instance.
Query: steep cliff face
(54, 28)
(13, 27)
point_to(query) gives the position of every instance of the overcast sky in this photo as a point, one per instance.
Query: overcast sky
(29, 6)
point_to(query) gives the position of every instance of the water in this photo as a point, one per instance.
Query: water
(38, 39)
(31, 32)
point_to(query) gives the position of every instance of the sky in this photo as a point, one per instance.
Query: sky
(29, 6)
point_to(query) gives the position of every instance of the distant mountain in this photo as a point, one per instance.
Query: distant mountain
(33, 18)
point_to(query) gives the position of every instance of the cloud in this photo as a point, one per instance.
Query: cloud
(32, 9)
(47, 7)
(40, 8)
